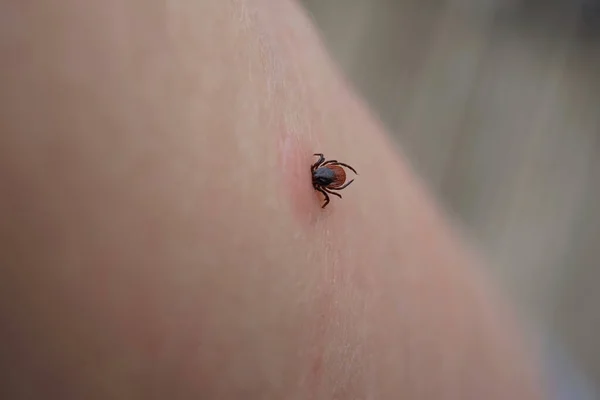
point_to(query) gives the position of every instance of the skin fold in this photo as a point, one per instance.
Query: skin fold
(161, 237)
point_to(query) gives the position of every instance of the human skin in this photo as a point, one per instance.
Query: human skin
(160, 237)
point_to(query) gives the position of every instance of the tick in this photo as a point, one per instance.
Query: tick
(329, 175)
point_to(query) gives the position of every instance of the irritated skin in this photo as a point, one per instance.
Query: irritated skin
(161, 238)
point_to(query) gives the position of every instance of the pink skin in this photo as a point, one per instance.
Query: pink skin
(161, 237)
(296, 178)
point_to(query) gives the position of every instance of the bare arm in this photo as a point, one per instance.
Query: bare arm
(161, 238)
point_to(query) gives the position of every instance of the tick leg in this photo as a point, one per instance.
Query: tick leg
(318, 162)
(333, 193)
(324, 194)
(344, 165)
(341, 187)
(329, 162)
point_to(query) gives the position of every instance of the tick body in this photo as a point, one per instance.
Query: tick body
(329, 176)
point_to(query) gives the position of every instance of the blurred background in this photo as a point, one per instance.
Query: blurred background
(496, 103)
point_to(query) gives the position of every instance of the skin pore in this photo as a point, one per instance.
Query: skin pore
(161, 238)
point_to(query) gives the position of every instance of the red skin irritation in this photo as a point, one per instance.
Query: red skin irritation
(295, 160)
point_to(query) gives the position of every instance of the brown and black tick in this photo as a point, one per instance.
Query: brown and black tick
(329, 175)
